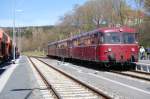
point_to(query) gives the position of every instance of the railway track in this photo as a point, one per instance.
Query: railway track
(64, 86)
(141, 72)
(134, 74)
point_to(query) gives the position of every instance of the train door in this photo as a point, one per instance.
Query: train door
(93, 47)
(75, 48)
(86, 47)
(10, 50)
(100, 38)
(68, 48)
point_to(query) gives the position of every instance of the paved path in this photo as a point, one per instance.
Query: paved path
(21, 84)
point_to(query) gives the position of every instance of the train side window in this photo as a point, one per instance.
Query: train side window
(59, 45)
(56, 45)
(81, 41)
(75, 42)
(94, 39)
(136, 37)
(87, 40)
(63, 44)
(69, 43)
(52, 46)
(101, 38)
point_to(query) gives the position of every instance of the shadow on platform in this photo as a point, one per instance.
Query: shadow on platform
(1, 71)
(4, 66)
(30, 90)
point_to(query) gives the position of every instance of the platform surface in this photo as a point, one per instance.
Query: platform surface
(21, 83)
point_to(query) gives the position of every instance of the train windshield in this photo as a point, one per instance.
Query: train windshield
(129, 38)
(112, 38)
(124, 38)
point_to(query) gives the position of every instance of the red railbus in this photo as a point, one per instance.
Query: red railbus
(104, 45)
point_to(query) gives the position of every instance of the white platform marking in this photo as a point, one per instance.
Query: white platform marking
(119, 83)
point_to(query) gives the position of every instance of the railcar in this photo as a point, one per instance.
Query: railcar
(4, 42)
(59, 49)
(5, 46)
(115, 45)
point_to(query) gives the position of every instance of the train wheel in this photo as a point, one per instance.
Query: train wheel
(132, 66)
(122, 66)
(107, 66)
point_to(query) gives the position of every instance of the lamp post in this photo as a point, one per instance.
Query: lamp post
(14, 32)
(19, 31)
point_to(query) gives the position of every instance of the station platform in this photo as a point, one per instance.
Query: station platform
(144, 61)
(18, 82)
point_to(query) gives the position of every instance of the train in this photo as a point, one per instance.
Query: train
(6, 47)
(107, 46)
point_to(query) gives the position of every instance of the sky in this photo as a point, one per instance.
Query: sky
(34, 12)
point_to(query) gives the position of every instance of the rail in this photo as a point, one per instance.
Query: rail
(99, 93)
(46, 82)
(134, 74)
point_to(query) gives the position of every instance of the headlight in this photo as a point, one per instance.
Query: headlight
(132, 49)
(109, 49)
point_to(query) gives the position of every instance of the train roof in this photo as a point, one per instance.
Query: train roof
(52, 43)
(117, 29)
(103, 30)
(57, 42)
(84, 34)
(106, 30)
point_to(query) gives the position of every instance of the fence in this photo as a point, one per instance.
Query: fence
(144, 67)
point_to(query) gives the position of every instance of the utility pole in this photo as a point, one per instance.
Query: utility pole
(14, 32)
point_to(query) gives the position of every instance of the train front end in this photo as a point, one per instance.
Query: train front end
(119, 46)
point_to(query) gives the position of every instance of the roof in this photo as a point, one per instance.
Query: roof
(104, 30)
(117, 29)
(84, 34)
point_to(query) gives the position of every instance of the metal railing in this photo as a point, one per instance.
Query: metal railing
(143, 67)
